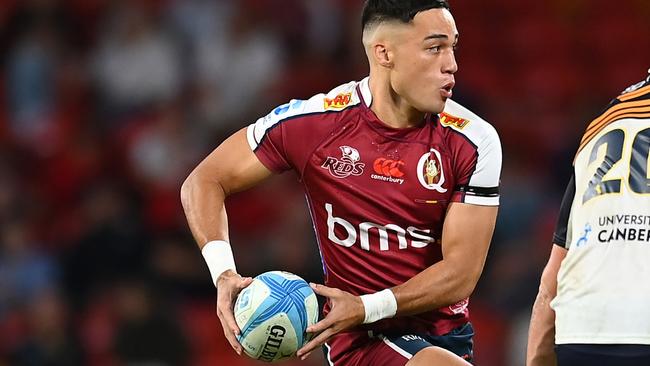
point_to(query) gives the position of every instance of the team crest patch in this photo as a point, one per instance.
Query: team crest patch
(349, 163)
(449, 120)
(459, 307)
(430, 172)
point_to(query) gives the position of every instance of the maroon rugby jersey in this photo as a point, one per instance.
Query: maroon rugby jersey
(378, 195)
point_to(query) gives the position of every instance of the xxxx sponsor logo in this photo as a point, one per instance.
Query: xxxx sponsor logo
(388, 170)
(450, 120)
(338, 102)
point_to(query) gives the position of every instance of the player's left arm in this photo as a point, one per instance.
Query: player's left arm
(466, 237)
(466, 233)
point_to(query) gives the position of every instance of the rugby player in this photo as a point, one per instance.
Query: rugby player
(594, 295)
(402, 187)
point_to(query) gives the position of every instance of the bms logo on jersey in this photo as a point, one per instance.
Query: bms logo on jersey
(416, 238)
(349, 163)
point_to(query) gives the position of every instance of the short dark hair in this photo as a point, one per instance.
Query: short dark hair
(377, 11)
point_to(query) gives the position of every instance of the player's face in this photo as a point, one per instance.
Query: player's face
(424, 63)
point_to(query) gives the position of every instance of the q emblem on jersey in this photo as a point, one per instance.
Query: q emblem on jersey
(349, 163)
(430, 172)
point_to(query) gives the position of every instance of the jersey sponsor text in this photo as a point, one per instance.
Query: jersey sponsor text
(417, 238)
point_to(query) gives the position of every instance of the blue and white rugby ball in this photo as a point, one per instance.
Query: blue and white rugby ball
(273, 313)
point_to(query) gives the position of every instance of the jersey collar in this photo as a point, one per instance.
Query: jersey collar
(364, 92)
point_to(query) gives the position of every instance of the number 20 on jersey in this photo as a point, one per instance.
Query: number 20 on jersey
(638, 179)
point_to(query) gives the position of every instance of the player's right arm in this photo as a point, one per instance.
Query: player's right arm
(541, 332)
(230, 168)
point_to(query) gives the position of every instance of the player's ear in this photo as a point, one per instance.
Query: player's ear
(382, 55)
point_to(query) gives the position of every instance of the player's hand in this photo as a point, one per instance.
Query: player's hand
(347, 311)
(229, 284)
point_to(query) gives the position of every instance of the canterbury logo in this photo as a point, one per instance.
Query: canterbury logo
(389, 168)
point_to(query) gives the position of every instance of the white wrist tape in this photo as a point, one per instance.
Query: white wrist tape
(218, 256)
(379, 305)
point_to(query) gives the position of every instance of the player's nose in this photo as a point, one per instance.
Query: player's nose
(449, 65)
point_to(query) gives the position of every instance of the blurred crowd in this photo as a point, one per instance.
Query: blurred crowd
(106, 106)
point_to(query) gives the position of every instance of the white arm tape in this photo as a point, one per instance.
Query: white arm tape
(379, 305)
(218, 256)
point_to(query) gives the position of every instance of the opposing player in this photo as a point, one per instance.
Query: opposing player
(595, 290)
(403, 197)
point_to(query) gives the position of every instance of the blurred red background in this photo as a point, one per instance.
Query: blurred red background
(106, 106)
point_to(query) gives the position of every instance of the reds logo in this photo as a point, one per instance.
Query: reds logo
(348, 164)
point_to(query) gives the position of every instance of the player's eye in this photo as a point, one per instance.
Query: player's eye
(434, 49)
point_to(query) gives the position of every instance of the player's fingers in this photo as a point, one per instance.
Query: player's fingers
(314, 343)
(245, 282)
(230, 336)
(227, 316)
(321, 325)
(324, 290)
(232, 340)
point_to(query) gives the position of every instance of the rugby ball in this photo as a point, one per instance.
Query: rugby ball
(273, 313)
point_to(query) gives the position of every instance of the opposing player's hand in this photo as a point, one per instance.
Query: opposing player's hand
(347, 311)
(229, 284)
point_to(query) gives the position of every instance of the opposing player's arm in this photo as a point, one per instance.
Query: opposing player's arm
(466, 237)
(541, 333)
(230, 168)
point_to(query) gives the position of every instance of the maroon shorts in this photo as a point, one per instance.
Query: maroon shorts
(365, 348)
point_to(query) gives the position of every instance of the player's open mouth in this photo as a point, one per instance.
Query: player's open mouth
(446, 90)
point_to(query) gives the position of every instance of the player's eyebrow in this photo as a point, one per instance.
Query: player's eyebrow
(439, 36)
